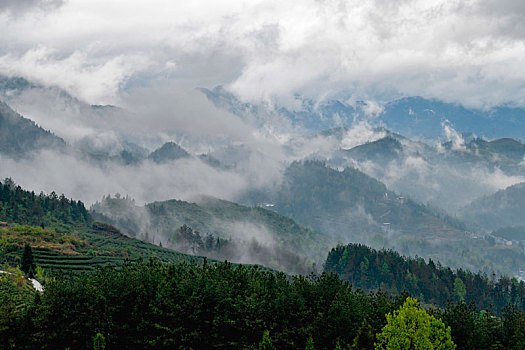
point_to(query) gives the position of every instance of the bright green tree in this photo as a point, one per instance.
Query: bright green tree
(411, 328)
(266, 342)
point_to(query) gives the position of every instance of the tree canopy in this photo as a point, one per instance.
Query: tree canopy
(411, 328)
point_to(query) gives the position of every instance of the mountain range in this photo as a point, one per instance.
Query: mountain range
(356, 183)
(411, 116)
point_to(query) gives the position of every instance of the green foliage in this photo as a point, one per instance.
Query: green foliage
(266, 342)
(459, 288)
(27, 208)
(99, 342)
(365, 338)
(158, 306)
(412, 328)
(310, 344)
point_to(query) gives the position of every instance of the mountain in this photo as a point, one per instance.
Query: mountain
(332, 201)
(168, 152)
(104, 135)
(448, 175)
(349, 206)
(382, 151)
(411, 116)
(219, 229)
(19, 136)
(502, 209)
(508, 148)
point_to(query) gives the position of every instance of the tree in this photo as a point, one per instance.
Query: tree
(365, 337)
(309, 344)
(99, 342)
(28, 266)
(413, 329)
(460, 289)
(266, 342)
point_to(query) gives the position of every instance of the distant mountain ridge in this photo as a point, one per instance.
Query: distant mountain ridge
(169, 151)
(350, 206)
(504, 208)
(411, 116)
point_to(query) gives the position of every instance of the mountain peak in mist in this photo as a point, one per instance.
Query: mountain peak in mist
(168, 152)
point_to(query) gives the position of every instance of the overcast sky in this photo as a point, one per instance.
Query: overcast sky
(465, 51)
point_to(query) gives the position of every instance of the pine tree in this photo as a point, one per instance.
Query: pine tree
(365, 337)
(266, 342)
(28, 265)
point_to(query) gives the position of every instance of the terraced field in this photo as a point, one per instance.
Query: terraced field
(50, 260)
(101, 245)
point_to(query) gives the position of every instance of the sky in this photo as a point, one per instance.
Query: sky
(101, 51)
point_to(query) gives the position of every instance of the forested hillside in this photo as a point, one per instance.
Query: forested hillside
(23, 207)
(158, 306)
(220, 230)
(431, 283)
(198, 304)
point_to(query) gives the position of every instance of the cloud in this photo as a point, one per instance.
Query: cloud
(467, 52)
(360, 133)
(75, 73)
(88, 181)
(456, 140)
(18, 7)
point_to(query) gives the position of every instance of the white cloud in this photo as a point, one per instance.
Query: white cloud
(469, 52)
(455, 139)
(360, 133)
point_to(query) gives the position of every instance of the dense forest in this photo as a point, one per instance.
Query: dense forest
(23, 207)
(430, 282)
(150, 305)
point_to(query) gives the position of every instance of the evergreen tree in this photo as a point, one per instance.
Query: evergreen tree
(365, 337)
(266, 342)
(310, 344)
(28, 265)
